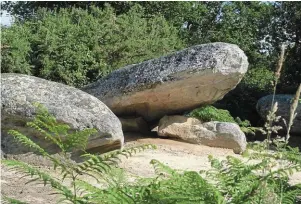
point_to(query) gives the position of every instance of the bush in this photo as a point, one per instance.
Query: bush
(76, 46)
(258, 80)
(15, 49)
(210, 113)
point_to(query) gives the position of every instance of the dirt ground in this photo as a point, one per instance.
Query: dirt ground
(176, 154)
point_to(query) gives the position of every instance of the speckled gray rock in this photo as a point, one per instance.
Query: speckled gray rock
(213, 134)
(184, 80)
(284, 102)
(69, 105)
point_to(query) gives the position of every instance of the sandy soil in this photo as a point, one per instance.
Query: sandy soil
(176, 154)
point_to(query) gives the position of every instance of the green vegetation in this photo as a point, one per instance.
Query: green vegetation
(210, 113)
(258, 81)
(13, 201)
(76, 47)
(241, 182)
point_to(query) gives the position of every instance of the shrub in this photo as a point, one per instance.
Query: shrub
(15, 49)
(258, 80)
(210, 113)
(77, 46)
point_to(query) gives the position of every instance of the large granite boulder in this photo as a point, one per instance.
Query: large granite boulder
(181, 81)
(69, 105)
(213, 134)
(284, 102)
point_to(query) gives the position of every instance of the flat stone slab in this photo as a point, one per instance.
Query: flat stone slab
(172, 84)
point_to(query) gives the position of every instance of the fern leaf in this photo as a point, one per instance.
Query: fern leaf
(95, 163)
(37, 124)
(79, 139)
(46, 178)
(27, 142)
(284, 172)
(161, 168)
(97, 195)
(127, 151)
(12, 200)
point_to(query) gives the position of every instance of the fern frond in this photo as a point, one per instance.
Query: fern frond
(284, 171)
(290, 196)
(87, 187)
(56, 132)
(251, 130)
(101, 164)
(9, 200)
(37, 124)
(293, 155)
(27, 142)
(95, 164)
(46, 178)
(93, 194)
(160, 168)
(78, 139)
(188, 187)
(24, 140)
(279, 155)
(215, 163)
(49, 122)
(127, 152)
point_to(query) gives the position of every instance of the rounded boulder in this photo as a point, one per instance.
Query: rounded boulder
(69, 105)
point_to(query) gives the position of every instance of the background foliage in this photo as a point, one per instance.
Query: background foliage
(75, 47)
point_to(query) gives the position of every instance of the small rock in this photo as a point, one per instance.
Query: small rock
(213, 134)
